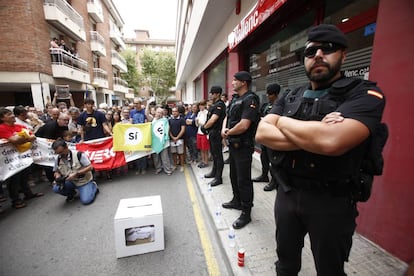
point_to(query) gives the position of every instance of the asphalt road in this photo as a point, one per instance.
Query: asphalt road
(53, 237)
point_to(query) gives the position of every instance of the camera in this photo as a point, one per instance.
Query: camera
(60, 181)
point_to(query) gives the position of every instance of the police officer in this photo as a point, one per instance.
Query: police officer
(322, 130)
(239, 127)
(272, 91)
(215, 117)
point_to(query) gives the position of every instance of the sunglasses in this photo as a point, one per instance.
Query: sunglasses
(327, 48)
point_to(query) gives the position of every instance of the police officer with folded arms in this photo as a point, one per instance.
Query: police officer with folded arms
(272, 91)
(215, 117)
(239, 127)
(321, 132)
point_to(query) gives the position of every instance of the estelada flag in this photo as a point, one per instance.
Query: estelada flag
(101, 155)
(132, 137)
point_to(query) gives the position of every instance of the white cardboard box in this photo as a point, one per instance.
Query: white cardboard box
(139, 226)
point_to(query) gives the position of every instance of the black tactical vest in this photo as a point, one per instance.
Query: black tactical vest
(310, 165)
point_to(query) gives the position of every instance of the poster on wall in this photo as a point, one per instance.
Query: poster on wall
(62, 91)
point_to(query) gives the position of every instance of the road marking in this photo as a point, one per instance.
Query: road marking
(211, 261)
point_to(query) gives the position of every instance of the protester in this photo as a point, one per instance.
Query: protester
(161, 156)
(93, 123)
(73, 172)
(22, 139)
(191, 134)
(202, 140)
(177, 131)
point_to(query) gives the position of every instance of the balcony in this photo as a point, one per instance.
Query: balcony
(100, 78)
(64, 18)
(120, 85)
(116, 36)
(97, 44)
(67, 66)
(119, 62)
(95, 10)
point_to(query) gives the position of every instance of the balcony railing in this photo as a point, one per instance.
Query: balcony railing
(64, 16)
(100, 77)
(119, 62)
(120, 85)
(95, 10)
(98, 43)
(69, 66)
(116, 36)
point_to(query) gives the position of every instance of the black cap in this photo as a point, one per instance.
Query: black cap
(243, 76)
(216, 89)
(273, 89)
(327, 33)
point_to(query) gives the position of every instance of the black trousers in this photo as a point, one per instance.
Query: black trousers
(18, 182)
(241, 174)
(330, 222)
(217, 153)
(264, 159)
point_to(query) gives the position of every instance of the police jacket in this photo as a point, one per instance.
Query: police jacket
(354, 98)
(244, 107)
(218, 108)
(72, 164)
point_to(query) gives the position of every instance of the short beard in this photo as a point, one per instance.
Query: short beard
(324, 77)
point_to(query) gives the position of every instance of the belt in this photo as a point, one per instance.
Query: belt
(337, 187)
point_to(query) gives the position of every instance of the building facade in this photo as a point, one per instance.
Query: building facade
(32, 71)
(217, 38)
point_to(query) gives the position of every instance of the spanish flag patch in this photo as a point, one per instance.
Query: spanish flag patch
(376, 94)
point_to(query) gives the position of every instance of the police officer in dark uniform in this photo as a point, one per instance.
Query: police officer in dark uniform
(272, 91)
(322, 132)
(239, 127)
(213, 125)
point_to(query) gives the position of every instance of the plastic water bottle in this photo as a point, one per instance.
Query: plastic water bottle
(218, 214)
(209, 189)
(232, 237)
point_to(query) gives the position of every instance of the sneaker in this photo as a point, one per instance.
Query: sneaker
(143, 171)
(158, 171)
(181, 169)
(70, 198)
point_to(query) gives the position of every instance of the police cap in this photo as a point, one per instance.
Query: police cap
(216, 89)
(273, 89)
(243, 76)
(327, 33)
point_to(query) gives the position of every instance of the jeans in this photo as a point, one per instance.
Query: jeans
(87, 192)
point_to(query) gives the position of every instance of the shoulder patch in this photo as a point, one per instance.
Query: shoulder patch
(376, 94)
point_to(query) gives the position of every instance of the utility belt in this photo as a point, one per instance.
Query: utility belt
(336, 187)
(237, 142)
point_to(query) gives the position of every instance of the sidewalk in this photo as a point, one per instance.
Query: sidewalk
(258, 237)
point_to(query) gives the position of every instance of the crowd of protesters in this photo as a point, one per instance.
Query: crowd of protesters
(188, 144)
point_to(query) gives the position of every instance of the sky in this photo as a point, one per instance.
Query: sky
(156, 16)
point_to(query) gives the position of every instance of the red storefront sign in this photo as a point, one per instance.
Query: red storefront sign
(257, 15)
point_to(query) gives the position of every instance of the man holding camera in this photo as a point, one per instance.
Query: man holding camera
(73, 172)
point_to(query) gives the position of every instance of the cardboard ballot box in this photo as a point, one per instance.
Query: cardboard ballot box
(139, 226)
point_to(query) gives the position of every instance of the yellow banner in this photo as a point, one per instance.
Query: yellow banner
(132, 137)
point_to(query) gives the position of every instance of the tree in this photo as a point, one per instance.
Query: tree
(158, 72)
(133, 77)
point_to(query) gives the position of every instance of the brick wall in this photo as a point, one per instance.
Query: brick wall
(24, 37)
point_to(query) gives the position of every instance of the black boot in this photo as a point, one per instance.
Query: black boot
(233, 204)
(262, 178)
(243, 220)
(216, 181)
(211, 174)
(270, 187)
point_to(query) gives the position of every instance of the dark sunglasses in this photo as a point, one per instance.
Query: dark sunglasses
(327, 48)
